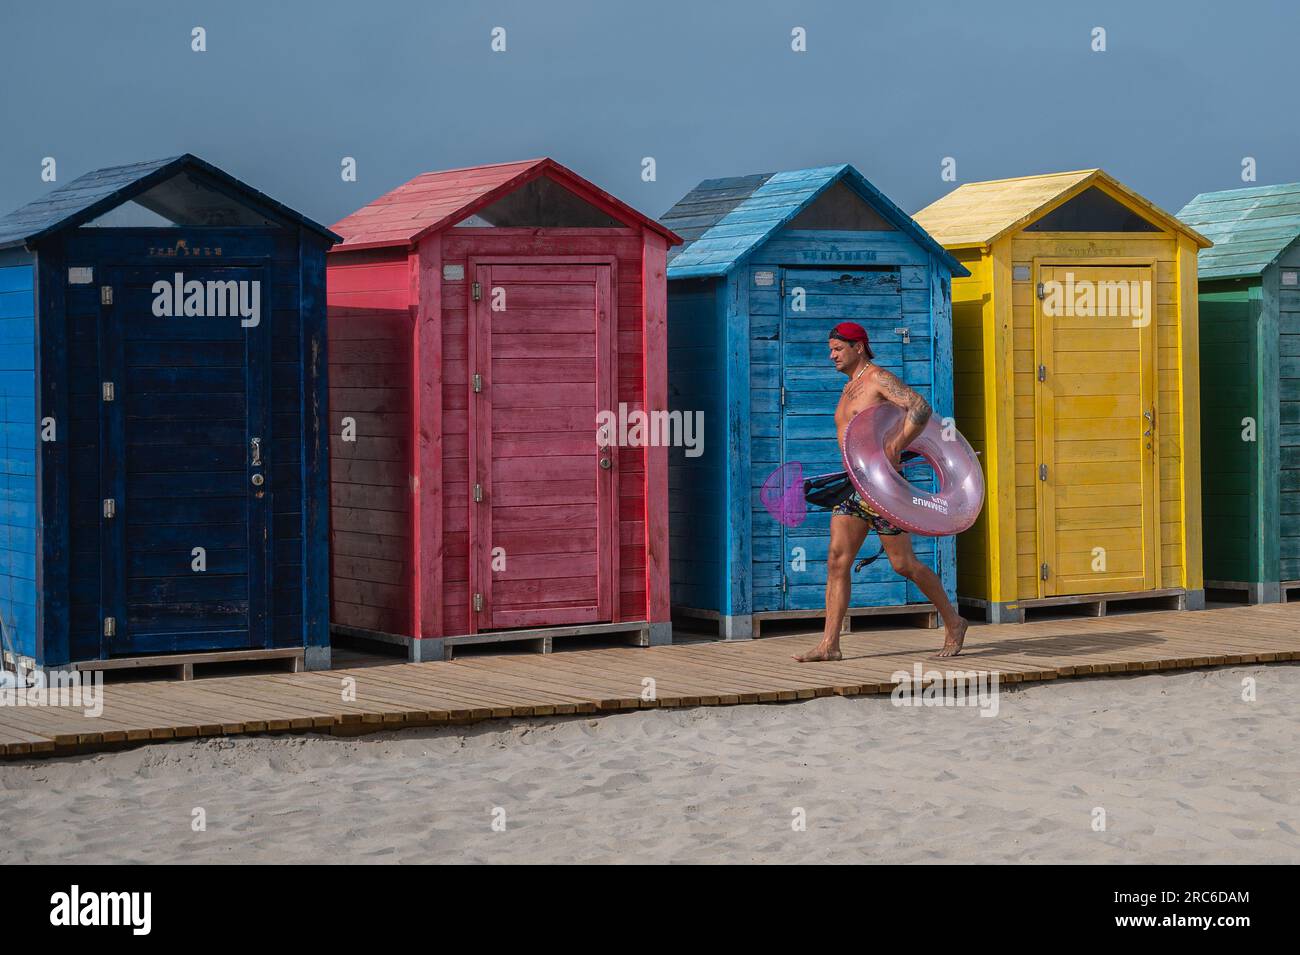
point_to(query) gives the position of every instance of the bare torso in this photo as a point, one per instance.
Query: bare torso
(859, 394)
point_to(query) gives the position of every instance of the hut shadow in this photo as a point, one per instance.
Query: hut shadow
(1054, 645)
(1068, 644)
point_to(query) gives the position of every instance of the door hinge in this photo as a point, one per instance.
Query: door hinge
(785, 583)
(1042, 372)
(1042, 472)
(478, 601)
(476, 291)
(108, 391)
(783, 396)
(1042, 572)
(110, 508)
(478, 382)
(106, 295)
(110, 626)
(783, 286)
(1042, 292)
(478, 493)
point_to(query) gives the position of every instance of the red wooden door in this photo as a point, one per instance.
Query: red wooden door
(542, 540)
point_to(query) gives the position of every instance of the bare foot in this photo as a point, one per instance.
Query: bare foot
(955, 638)
(821, 655)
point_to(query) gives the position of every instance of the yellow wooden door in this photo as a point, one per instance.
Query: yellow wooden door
(1097, 438)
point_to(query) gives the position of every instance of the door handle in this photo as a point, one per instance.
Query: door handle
(256, 444)
(605, 461)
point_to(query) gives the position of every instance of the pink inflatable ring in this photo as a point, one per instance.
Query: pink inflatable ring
(950, 510)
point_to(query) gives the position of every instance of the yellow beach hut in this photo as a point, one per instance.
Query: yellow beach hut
(1075, 366)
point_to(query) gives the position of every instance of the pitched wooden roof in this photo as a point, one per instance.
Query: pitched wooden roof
(724, 220)
(978, 213)
(90, 196)
(438, 200)
(1250, 228)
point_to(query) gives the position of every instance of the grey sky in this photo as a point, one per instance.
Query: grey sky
(708, 88)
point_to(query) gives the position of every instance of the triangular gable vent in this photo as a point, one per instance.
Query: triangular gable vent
(542, 203)
(840, 208)
(186, 199)
(1092, 211)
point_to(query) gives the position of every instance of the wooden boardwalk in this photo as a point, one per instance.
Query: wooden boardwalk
(603, 680)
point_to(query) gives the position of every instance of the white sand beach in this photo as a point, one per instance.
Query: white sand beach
(1186, 771)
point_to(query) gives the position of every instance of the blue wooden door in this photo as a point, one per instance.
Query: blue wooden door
(185, 529)
(813, 301)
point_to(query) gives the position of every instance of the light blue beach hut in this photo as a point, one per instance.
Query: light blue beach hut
(771, 263)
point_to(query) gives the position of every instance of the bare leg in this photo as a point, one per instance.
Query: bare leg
(906, 563)
(847, 535)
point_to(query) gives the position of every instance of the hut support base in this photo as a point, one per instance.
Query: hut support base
(1256, 592)
(434, 649)
(1087, 605)
(750, 626)
(183, 664)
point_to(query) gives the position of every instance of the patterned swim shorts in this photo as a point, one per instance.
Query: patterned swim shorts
(854, 506)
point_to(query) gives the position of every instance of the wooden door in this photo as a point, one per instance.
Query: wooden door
(185, 445)
(543, 503)
(813, 301)
(1098, 430)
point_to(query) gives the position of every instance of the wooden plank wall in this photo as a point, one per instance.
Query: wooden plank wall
(458, 245)
(1288, 413)
(102, 248)
(1094, 249)
(18, 437)
(811, 438)
(970, 313)
(697, 485)
(370, 347)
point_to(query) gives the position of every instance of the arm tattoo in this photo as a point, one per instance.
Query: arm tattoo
(918, 409)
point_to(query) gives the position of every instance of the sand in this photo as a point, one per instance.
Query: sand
(1186, 771)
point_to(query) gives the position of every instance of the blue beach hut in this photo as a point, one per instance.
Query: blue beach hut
(770, 264)
(162, 328)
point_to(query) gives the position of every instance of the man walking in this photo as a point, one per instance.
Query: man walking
(853, 520)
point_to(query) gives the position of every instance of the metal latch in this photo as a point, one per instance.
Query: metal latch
(110, 626)
(478, 382)
(1042, 572)
(906, 333)
(108, 391)
(1042, 472)
(1042, 292)
(476, 291)
(478, 601)
(783, 396)
(106, 295)
(110, 508)
(478, 492)
(257, 452)
(1042, 372)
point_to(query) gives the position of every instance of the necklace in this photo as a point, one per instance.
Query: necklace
(858, 373)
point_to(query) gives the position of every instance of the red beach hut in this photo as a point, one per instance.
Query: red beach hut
(479, 322)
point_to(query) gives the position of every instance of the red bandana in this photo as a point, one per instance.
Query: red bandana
(849, 332)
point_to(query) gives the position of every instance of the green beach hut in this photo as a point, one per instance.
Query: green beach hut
(1250, 388)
